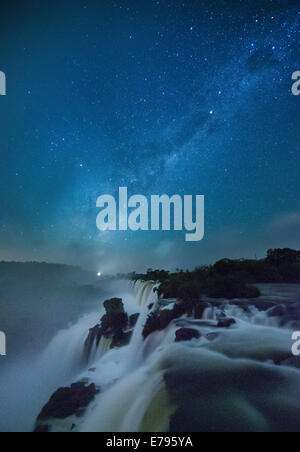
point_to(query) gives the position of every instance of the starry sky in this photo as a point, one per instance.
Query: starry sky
(161, 96)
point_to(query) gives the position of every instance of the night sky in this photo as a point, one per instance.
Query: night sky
(188, 97)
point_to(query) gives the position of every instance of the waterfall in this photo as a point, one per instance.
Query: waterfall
(103, 347)
(144, 293)
(146, 297)
(139, 382)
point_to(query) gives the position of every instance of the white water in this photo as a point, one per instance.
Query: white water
(133, 393)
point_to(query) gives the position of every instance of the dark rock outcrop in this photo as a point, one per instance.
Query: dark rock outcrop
(115, 319)
(121, 338)
(152, 324)
(133, 320)
(187, 334)
(113, 306)
(159, 320)
(67, 402)
(113, 325)
(226, 323)
(200, 308)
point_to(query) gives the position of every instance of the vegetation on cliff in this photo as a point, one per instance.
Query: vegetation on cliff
(228, 278)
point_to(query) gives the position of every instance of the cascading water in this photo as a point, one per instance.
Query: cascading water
(147, 300)
(156, 384)
(120, 373)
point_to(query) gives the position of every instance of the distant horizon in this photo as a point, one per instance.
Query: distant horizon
(137, 271)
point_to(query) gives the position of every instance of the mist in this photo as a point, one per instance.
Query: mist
(38, 301)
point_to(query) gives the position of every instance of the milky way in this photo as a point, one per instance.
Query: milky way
(187, 97)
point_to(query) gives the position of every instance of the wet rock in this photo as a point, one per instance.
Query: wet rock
(181, 308)
(186, 334)
(166, 317)
(114, 305)
(152, 324)
(115, 318)
(133, 320)
(226, 323)
(113, 325)
(200, 308)
(160, 320)
(121, 339)
(68, 401)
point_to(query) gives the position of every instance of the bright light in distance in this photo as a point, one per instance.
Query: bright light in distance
(99, 274)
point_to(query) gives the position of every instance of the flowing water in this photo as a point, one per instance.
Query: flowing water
(229, 379)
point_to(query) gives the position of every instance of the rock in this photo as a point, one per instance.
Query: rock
(114, 305)
(69, 401)
(186, 334)
(226, 323)
(152, 324)
(113, 325)
(133, 320)
(115, 318)
(121, 339)
(200, 308)
(166, 317)
(158, 321)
